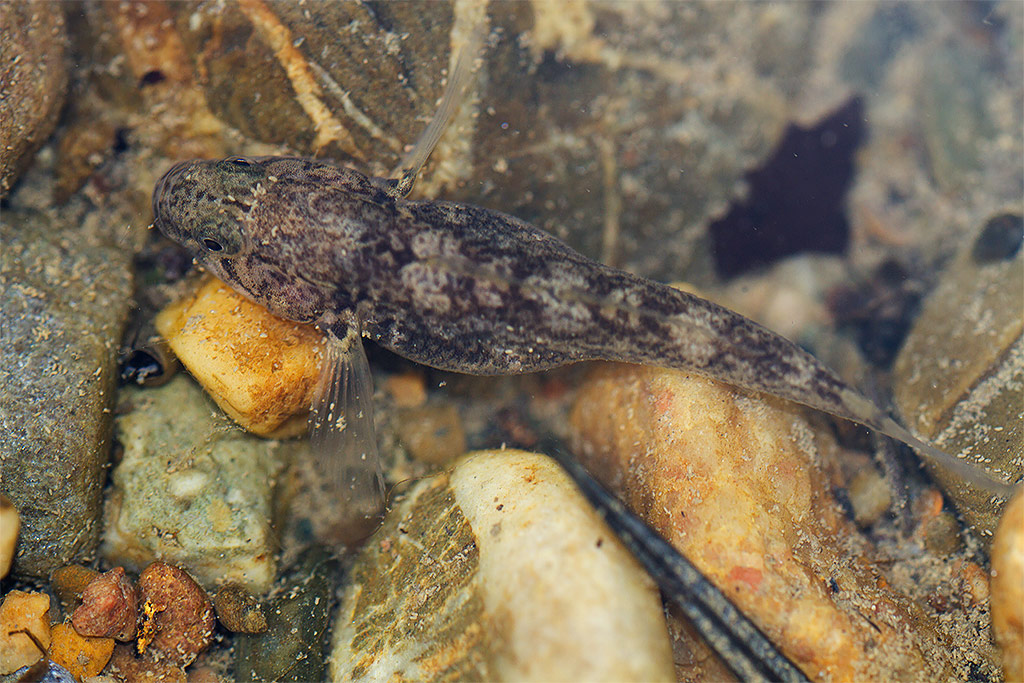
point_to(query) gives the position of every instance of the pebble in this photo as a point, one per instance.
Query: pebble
(298, 621)
(869, 496)
(177, 616)
(499, 570)
(82, 656)
(238, 610)
(432, 432)
(969, 340)
(731, 480)
(192, 489)
(68, 583)
(260, 369)
(109, 607)
(20, 612)
(10, 522)
(63, 306)
(125, 666)
(46, 671)
(407, 389)
(1007, 588)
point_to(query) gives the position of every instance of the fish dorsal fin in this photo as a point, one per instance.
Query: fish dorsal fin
(405, 173)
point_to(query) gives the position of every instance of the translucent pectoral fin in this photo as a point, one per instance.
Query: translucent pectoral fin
(344, 443)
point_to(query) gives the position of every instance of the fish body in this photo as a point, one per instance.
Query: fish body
(455, 286)
(467, 289)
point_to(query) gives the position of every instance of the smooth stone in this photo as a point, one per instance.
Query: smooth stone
(732, 479)
(192, 489)
(969, 340)
(33, 71)
(1007, 586)
(64, 299)
(499, 570)
(297, 623)
(10, 522)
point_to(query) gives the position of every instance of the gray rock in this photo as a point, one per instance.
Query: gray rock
(192, 489)
(64, 299)
(298, 617)
(33, 82)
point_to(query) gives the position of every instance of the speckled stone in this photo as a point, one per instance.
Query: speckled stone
(64, 300)
(192, 489)
(499, 570)
(33, 80)
(731, 479)
(1008, 588)
(298, 620)
(959, 377)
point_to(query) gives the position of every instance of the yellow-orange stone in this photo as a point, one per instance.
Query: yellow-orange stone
(21, 612)
(1008, 588)
(80, 655)
(260, 369)
(730, 479)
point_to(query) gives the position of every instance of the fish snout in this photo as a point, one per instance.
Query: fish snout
(164, 187)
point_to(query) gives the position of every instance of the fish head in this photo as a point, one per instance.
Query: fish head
(211, 209)
(203, 205)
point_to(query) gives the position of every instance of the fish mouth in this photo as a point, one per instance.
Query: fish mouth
(166, 182)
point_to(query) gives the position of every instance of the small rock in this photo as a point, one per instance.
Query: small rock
(177, 616)
(298, 621)
(46, 671)
(238, 610)
(942, 534)
(869, 495)
(730, 479)
(260, 369)
(24, 630)
(1008, 588)
(109, 607)
(125, 666)
(499, 570)
(9, 525)
(432, 433)
(82, 656)
(69, 582)
(407, 390)
(192, 489)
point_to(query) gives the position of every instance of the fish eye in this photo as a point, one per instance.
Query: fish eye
(223, 238)
(239, 161)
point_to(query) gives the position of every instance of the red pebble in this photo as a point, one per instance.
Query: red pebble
(178, 618)
(109, 607)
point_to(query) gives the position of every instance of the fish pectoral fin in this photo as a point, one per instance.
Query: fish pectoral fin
(343, 440)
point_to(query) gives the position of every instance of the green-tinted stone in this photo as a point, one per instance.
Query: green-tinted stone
(192, 489)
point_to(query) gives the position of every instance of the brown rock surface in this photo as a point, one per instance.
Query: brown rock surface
(109, 607)
(33, 82)
(730, 479)
(178, 618)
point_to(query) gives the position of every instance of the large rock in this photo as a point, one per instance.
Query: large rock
(499, 570)
(33, 82)
(63, 303)
(731, 479)
(969, 340)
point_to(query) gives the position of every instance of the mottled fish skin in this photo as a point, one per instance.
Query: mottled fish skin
(454, 286)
